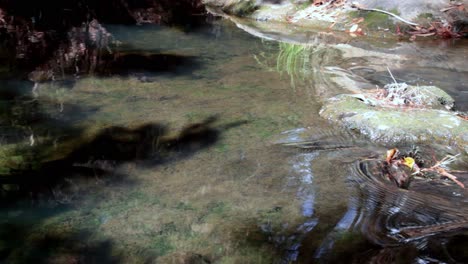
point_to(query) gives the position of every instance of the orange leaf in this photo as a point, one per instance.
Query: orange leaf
(391, 154)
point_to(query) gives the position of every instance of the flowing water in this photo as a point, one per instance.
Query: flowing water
(205, 146)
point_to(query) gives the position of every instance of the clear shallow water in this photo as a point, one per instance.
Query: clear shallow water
(167, 154)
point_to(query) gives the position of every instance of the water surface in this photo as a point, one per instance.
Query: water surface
(206, 147)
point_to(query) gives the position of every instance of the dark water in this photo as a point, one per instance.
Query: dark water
(205, 146)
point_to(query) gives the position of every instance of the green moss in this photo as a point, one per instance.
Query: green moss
(218, 208)
(184, 206)
(272, 217)
(250, 255)
(222, 148)
(391, 125)
(375, 20)
(394, 11)
(138, 196)
(355, 14)
(17, 157)
(426, 16)
(193, 116)
(303, 5)
(160, 245)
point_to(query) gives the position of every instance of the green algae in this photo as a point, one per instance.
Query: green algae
(377, 20)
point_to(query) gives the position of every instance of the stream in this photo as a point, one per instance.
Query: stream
(204, 145)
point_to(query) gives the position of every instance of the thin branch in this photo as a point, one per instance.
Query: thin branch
(355, 5)
(391, 75)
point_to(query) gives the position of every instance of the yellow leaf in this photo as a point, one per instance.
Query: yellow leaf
(408, 161)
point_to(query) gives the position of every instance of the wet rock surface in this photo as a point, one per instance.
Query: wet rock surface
(408, 9)
(391, 124)
(380, 18)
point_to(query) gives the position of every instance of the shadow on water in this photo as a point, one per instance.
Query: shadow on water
(88, 168)
(57, 248)
(65, 39)
(48, 180)
(148, 144)
(141, 63)
(43, 183)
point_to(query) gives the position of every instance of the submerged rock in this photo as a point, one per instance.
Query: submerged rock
(395, 124)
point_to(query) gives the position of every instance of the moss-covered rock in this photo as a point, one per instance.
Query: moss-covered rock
(398, 124)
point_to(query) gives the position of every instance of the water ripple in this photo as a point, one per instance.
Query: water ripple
(391, 216)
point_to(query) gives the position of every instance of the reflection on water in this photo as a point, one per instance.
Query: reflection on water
(165, 154)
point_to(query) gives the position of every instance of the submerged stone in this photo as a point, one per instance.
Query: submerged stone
(395, 124)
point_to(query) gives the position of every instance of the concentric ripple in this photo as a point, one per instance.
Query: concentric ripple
(389, 215)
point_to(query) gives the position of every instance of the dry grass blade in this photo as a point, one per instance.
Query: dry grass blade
(448, 159)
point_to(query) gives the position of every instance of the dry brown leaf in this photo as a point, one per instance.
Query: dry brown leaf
(391, 154)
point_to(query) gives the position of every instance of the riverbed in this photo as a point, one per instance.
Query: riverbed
(206, 146)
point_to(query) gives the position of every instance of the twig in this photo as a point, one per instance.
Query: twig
(450, 176)
(448, 159)
(391, 75)
(356, 5)
(438, 168)
(451, 7)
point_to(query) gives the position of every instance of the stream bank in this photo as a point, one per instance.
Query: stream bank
(383, 19)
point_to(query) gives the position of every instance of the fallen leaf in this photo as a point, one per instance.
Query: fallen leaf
(462, 116)
(391, 154)
(409, 162)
